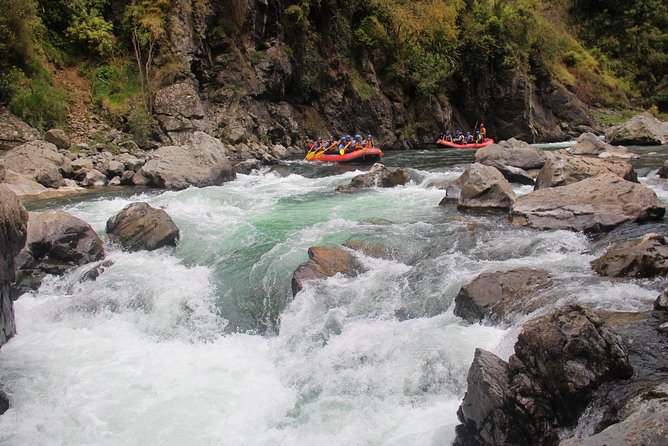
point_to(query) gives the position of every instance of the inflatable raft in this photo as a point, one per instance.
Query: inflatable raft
(358, 156)
(452, 145)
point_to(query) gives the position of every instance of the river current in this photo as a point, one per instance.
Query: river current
(203, 344)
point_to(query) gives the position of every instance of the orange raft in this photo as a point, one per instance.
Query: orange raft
(453, 145)
(358, 156)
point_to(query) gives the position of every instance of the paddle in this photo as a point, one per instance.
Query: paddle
(342, 151)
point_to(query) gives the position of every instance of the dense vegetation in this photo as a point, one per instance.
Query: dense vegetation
(609, 53)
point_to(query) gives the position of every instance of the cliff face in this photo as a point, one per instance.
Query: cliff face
(13, 220)
(235, 54)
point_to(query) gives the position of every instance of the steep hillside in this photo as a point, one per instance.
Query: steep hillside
(280, 71)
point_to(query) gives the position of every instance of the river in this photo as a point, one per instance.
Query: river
(204, 345)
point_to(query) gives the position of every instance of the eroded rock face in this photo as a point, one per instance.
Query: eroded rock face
(484, 187)
(139, 226)
(560, 360)
(642, 130)
(177, 105)
(495, 295)
(378, 176)
(646, 257)
(512, 153)
(592, 205)
(324, 262)
(198, 164)
(56, 242)
(13, 224)
(561, 169)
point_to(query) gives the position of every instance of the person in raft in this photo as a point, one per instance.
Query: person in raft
(478, 137)
(368, 142)
(447, 136)
(469, 138)
(483, 131)
(459, 138)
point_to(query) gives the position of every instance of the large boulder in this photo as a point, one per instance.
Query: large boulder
(201, 163)
(593, 205)
(139, 226)
(589, 144)
(512, 174)
(22, 185)
(483, 411)
(37, 160)
(494, 295)
(560, 360)
(13, 223)
(13, 131)
(378, 176)
(453, 190)
(512, 153)
(177, 105)
(56, 242)
(484, 187)
(324, 262)
(59, 138)
(646, 257)
(663, 170)
(561, 169)
(642, 130)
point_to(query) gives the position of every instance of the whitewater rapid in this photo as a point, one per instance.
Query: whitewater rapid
(203, 344)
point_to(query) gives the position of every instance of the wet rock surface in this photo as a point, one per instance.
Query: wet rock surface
(642, 130)
(324, 262)
(377, 176)
(646, 257)
(494, 296)
(560, 361)
(512, 153)
(140, 227)
(56, 242)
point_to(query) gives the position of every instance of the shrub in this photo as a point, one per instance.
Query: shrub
(37, 102)
(142, 125)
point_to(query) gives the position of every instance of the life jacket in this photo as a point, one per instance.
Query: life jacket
(358, 144)
(483, 132)
(368, 144)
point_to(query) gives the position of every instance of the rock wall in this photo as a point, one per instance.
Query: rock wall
(13, 223)
(235, 54)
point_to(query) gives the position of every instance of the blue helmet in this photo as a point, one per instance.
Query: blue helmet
(348, 137)
(368, 136)
(358, 136)
(468, 133)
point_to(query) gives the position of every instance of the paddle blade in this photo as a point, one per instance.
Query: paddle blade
(342, 151)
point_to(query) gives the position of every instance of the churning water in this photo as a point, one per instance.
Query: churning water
(203, 344)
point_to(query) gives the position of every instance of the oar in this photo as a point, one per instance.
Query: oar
(342, 151)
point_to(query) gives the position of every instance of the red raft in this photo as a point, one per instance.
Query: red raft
(358, 156)
(453, 145)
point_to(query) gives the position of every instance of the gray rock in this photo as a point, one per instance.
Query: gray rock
(13, 222)
(179, 100)
(81, 165)
(377, 176)
(13, 131)
(56, 242)
(140, 227)
(619, 152)
(59, 138)
(138, 179)
(2, 170)
(561, 169)
(34, 159)
(130, 162)
(512, 174)
(483, 187)
(593, 205)
(643, 130)
(94, 178)
(589, 144)
(248, 166)
(202, 163)
(512, 153)
(115, 168)
(324, 262)
(661, 302)
(494, 296)
(453, 191)
(126, 178)
(646, 257)
(21, 185)
(49, 178)
(115, 181)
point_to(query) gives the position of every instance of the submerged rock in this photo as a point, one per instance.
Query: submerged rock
(646, 257)
(592, 205)
(378, 176)
(495, 295)
(324, 262)
(484, 187)
(562, 169)
(139, 226)
(57, 241)
(642, 130)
